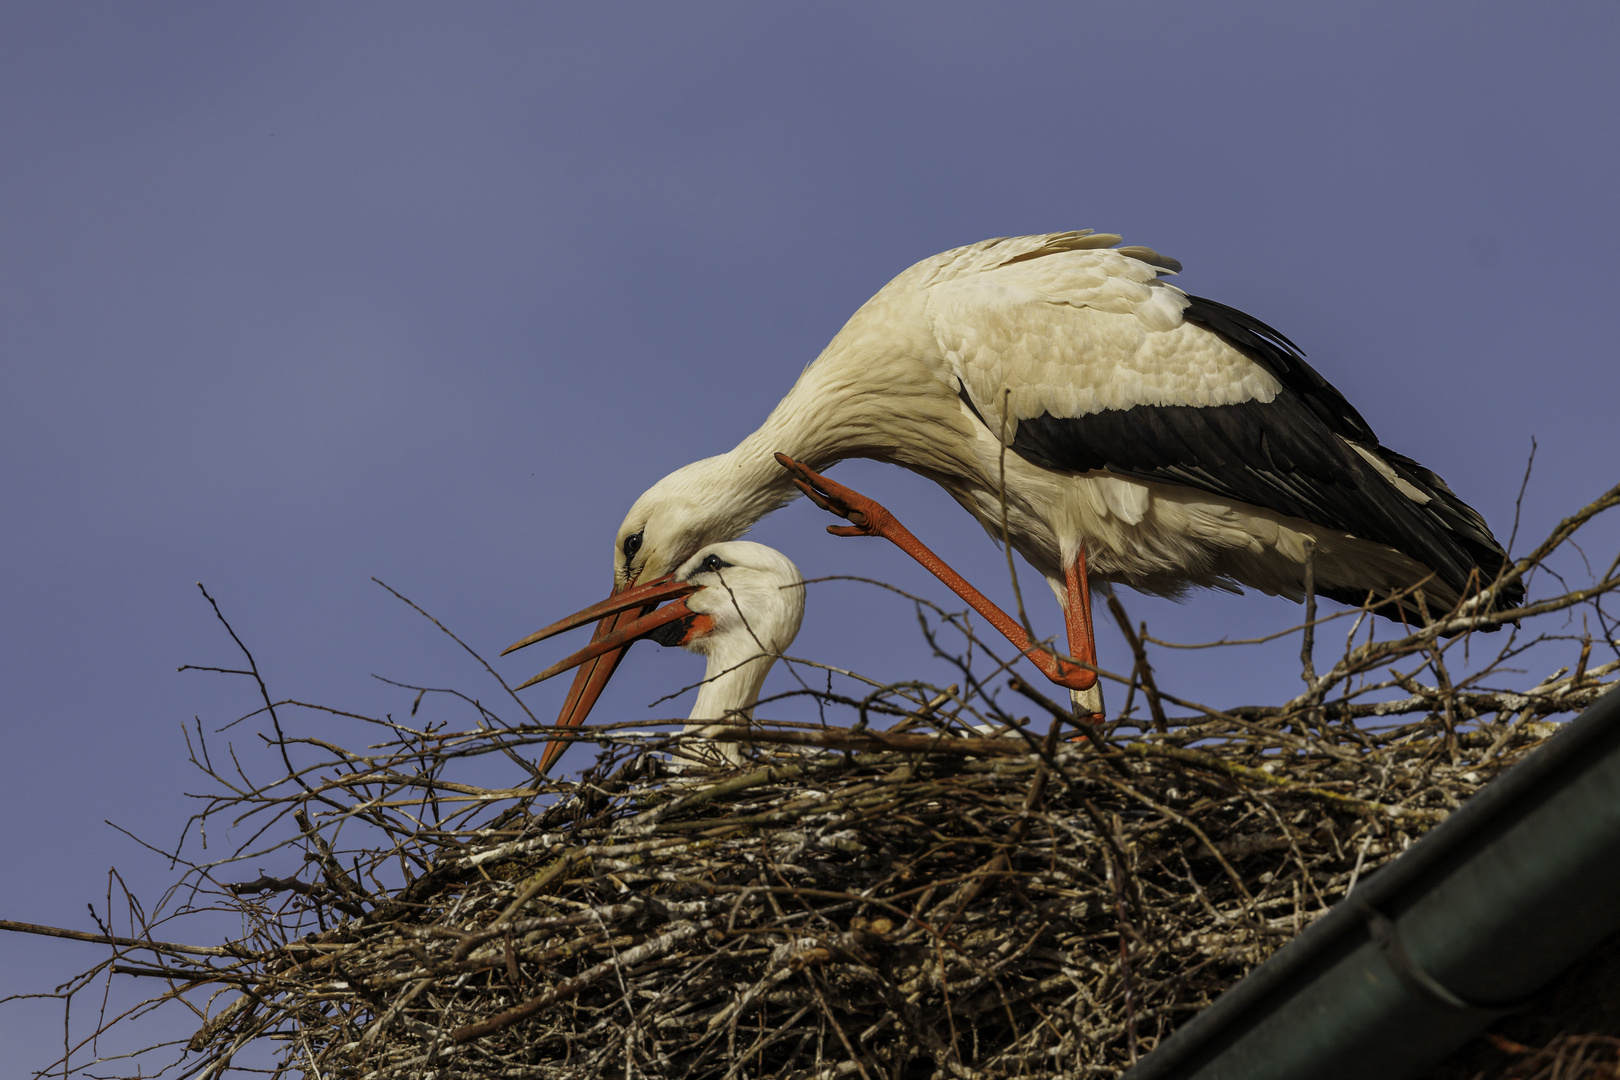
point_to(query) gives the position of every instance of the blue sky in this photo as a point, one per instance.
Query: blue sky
(294, 295)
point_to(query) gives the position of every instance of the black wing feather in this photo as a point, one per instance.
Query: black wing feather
(1286, 455)
(1285, 362)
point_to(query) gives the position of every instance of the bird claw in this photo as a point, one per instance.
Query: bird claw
(862, 513)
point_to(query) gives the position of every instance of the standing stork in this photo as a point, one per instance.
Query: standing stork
(1116, 428)
(739, 604)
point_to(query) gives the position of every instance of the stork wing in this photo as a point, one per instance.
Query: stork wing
(1083, 361)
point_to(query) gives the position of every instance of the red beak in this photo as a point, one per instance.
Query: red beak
(625, 617)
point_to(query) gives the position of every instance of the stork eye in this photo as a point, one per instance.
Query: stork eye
(713, 563)
(632, 544)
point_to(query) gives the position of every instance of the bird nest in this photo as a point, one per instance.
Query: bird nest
(982, 888)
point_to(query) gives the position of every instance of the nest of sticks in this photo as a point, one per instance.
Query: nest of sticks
(981, 888)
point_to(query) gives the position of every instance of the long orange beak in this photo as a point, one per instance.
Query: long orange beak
(624, 618)
(645, 597)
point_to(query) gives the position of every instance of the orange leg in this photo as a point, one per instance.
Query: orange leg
(867, 518)
(1082, 638)
(1077, 614)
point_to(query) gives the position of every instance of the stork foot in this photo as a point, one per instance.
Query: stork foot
(865, 516)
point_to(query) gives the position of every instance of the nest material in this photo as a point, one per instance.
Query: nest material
(998, 907)
(968, 894)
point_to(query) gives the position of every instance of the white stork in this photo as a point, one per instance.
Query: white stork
(1149, 438)
(739, 604)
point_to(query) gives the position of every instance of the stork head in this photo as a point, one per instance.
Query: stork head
(752, 597)
(663, 528)
(732, 602)
(706, 502)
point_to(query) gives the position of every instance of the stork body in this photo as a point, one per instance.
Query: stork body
(739, 604)
(1146, 437)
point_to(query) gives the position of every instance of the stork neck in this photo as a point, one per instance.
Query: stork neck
(731, 686)
(810, 424)
(853, 401)
(748, 483)
(878, 390)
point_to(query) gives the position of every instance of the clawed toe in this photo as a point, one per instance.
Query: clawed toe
(832, 497)
(806, 480)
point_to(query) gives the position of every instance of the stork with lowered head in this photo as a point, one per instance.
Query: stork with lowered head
(1111, 426)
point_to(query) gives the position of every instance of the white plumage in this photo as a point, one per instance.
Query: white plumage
(1150, 437)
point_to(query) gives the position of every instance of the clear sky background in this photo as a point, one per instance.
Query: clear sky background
(293, 295)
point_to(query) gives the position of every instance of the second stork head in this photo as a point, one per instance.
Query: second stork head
(738, 603)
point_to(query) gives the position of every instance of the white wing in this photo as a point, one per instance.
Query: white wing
(1073, 333)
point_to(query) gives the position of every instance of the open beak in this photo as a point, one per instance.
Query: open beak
(623, 619)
